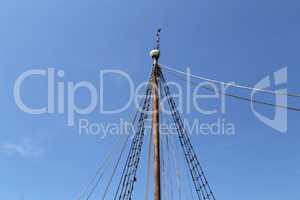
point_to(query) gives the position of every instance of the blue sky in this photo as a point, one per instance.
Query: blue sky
(41, 158)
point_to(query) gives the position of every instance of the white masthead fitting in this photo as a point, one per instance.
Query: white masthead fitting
(155, 53)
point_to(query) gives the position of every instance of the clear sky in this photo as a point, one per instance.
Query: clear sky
(41, 158)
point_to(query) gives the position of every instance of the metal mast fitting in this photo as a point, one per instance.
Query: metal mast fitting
(155, 53)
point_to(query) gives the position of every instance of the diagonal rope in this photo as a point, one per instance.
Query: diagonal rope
(116, 166)
(97, 183)
(164, 172)
(148, 165)
(170, 148)
(229, 84)
(176, 163)
(243, 98)
(98, 175)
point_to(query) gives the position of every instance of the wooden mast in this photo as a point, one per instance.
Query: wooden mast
(155, 121)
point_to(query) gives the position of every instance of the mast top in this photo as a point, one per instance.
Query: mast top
(155, 53)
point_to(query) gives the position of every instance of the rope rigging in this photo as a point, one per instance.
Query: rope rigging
(148, 165)
(199, 179)
(176, 155)
(128, 178)
(166, 183)
(100, 171)
(97, 177)
(157, 88)
(176, 165)
(115, 168)
(229, 84)
(164, 174)
(123, 149)
(170, 150)
(243, 98)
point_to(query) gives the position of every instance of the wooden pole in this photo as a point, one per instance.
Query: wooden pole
(155, 128)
